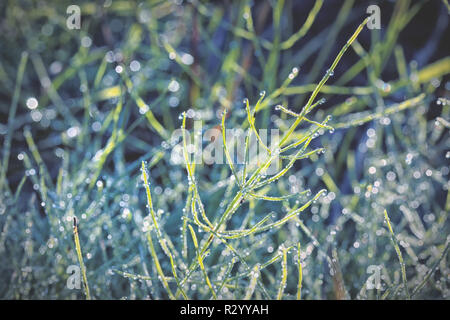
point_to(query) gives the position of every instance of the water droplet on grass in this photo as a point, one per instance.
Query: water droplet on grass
(32, 103)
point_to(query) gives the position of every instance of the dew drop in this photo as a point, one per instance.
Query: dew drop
(32, 103)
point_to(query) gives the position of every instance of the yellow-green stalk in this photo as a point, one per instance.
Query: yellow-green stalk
(399, 253)
(80, 258)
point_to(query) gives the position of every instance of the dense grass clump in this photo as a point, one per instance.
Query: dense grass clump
(101, 129)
